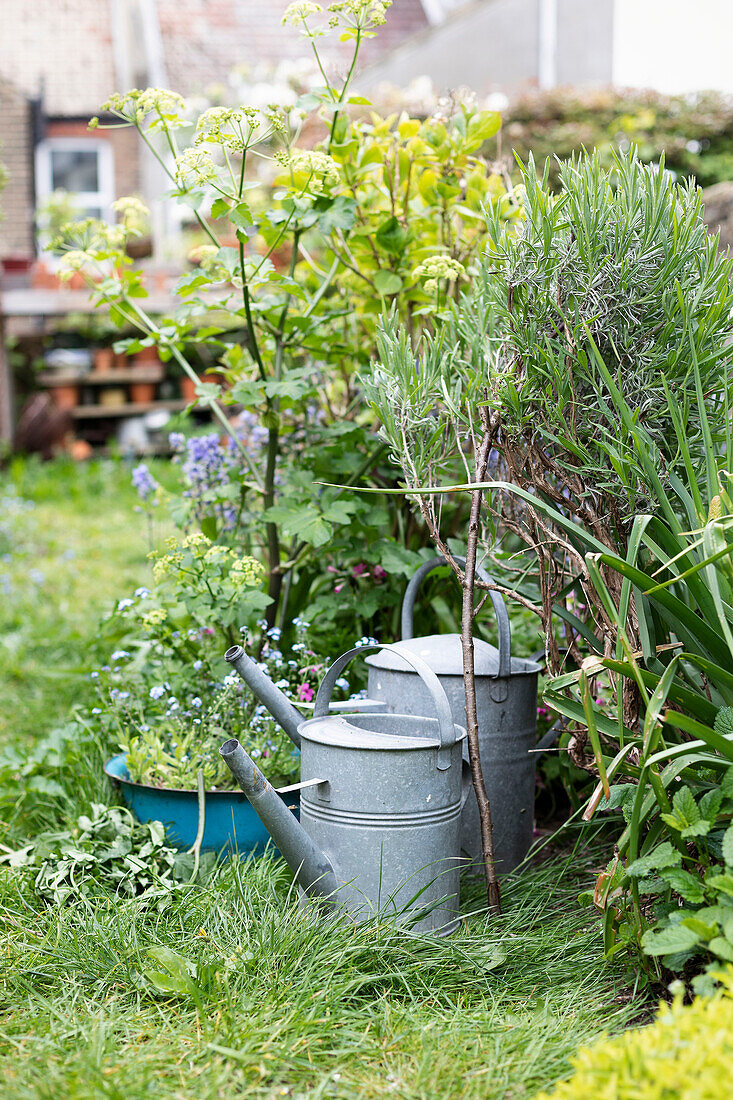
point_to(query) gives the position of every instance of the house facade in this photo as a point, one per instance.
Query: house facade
(60, 59)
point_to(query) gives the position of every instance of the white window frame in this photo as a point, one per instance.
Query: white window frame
(104, 196)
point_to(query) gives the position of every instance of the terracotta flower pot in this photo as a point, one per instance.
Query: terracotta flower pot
(65, 397)
(147, 356)
(188, 388)
(104, 359)
(142, 393)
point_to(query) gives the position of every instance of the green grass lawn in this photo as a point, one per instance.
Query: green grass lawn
(273, 1002)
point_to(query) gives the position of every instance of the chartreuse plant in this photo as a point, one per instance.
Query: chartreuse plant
(301, 248)
(686, 1053)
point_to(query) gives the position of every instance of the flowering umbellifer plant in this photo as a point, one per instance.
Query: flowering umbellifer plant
(300, 250)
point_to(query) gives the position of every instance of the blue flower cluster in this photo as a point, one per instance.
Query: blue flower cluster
(143, 481)
(207, 466)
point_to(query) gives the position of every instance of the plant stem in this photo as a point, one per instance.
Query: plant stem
(493, 892)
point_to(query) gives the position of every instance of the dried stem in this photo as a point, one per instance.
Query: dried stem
(493, 892)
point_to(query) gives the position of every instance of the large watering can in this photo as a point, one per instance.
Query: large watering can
(506, 701)
(380, 800)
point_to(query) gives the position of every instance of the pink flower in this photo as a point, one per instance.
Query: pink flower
(337, 587)
(305, 693)
(359, 569)
(379, 574)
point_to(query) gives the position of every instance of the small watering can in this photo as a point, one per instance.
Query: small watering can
(506, 702)
(380, 802)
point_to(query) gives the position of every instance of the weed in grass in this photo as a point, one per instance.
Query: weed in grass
(280, 1001)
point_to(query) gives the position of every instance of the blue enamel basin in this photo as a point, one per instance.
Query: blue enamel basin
(231, 823)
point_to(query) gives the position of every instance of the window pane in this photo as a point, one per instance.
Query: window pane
(74, 169)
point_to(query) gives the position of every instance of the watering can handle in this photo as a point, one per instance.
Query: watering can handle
(502, 615)
(446, 727)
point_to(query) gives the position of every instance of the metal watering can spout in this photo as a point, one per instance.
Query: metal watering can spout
(279, 706)
(310, 866)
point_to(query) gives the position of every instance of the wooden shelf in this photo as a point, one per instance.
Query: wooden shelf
(103, 412)
(102, 378)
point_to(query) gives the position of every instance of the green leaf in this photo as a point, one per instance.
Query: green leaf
(387, 282)
(219, 207)
(241, 216)
(723, 883)
(209, 527)
(683, 883)
(338, 213)
(721, 947)
(669, 940)
(710, 804)
(250, 394)
(728, 846)
(480, 128)
(662, 856)
(207, 391)
(391, 237)
(307, 523)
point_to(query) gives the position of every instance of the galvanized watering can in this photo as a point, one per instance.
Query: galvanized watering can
(506, 701)
(380, 803)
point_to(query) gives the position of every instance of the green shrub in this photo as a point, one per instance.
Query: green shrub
(686, 1053)
(695, 133)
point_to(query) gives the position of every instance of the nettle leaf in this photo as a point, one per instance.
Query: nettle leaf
(721, 947)
(670, 940)
(699, 828)
(685, 806)
(700, 927)
(723, 883)
(662, 856)
(710, 804)
(620, 794)
(724, 721)
(685, 884)
(728, 846)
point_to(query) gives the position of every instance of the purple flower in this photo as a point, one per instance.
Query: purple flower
(143, 481)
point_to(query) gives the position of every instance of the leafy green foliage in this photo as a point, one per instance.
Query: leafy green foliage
(685, 1052)
(692, 132)
(585, 344)
(291, 276)
(108, 852)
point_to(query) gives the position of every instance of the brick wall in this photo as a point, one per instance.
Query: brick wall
(62, 48)
(16, 203)
(203, 40)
